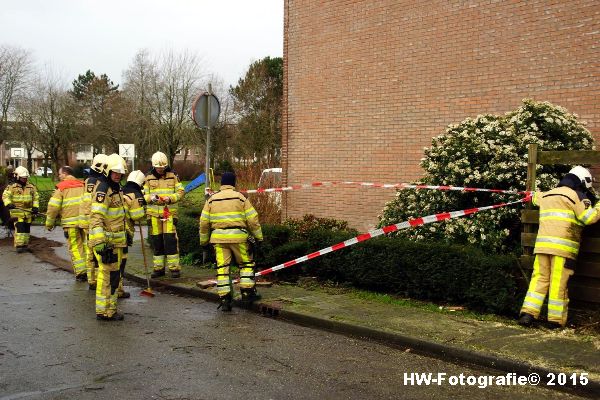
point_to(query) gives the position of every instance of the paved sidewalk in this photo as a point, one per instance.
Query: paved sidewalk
(499, 344)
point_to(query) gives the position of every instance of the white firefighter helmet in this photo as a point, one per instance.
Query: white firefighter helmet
(99, 163)
(21, 172)
(137, 176)
(115, 163)
(159, 160)
(583, 174)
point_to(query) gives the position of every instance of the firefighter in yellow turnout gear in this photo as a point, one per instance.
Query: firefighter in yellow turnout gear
(162, 191)
(135, 211)
(22, 199)
(227, 221)
(564, 211)
(66, 201)
(97, 175)
(108, 237)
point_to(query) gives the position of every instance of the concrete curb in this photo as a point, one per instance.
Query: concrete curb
(423, 347)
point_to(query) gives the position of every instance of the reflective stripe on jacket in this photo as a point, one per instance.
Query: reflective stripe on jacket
(134, 207)
(562, 218)
(167, 185)
(86, 200)
(22, 196)
(228, 217)
(107, 217)
(66, 201)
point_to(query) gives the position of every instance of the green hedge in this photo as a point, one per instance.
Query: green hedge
(427, 271)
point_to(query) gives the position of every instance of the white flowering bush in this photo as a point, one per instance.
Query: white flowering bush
(488, 151)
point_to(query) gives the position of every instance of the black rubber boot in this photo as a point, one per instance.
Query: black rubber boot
(116, 317)
(81, 278)
(92, 286)
(526, 320)
(225, 304)
(175, 274)
(158, 273)
(552, 325)
(124, 295)
(248, 297)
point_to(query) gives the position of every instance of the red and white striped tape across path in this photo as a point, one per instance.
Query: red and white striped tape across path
(388, 229)
(380, 185)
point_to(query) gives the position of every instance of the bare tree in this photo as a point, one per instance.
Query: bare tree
(15, 70)
(177, 83)
(55, 116)
(137, 88)
(25, 129)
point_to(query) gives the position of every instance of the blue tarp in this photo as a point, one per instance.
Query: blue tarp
(198, 181)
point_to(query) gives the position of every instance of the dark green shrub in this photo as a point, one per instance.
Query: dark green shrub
(189, 238)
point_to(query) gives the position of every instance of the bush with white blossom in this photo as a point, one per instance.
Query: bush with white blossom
(488, 151)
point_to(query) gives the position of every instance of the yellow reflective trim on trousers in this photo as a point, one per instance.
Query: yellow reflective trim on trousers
(556, 274)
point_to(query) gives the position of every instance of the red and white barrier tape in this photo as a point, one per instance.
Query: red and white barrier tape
(381, 185)
(388, 229)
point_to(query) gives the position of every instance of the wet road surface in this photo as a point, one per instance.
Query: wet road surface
(171, 347)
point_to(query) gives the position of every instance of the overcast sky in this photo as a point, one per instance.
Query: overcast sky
(72, 36)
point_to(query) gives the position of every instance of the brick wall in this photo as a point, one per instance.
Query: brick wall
(368, 83)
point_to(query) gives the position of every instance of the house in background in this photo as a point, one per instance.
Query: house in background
(368, 84)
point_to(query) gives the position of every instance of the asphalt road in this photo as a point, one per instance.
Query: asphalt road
(171, 347)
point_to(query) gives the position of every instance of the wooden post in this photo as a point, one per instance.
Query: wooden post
(531, 163)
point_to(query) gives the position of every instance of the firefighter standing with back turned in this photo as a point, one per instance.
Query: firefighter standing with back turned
(564, 211)
(108, 237)
(97, 175)
(227, 221)
(134, 211)
(22, 199)
(162, 191)
(66, 201)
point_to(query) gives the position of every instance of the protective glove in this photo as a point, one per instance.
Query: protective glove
(155, 198)
(129, 239)
(35, 210)
(11, 206)
(166, 200)
(50, 228)
(99, 248)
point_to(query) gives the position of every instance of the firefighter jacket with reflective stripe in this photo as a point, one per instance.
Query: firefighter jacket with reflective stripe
(167, 185)
(23, 196)
(228, 217)
(107, 216)
(134, 205)
(563, 214)
(89, 186)
(66, 201)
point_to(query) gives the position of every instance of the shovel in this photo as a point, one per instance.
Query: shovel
(148, 291)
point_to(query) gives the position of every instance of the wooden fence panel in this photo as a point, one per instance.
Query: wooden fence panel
(585, 283)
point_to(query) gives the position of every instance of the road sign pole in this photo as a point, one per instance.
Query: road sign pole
(207, 168)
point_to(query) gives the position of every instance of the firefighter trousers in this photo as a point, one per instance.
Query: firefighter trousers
(107, 282)
(165, 244)
(120, 290)
(22, 231)
(78, 249)
(243, 257)
(550, 277)
(91, 263)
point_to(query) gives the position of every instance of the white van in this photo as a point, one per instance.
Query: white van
(271, 178)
